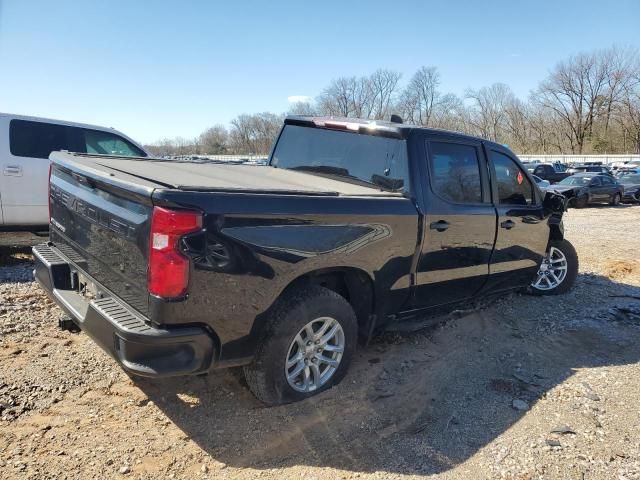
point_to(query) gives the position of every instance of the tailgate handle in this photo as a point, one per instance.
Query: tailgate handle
(440, 225)
(13, 170)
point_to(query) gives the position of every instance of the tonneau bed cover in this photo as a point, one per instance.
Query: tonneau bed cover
(216, 177)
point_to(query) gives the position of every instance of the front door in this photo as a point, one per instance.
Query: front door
(459, 223)
(522, 233)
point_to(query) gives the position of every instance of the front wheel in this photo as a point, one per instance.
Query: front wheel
(310, 339)
(558, 270)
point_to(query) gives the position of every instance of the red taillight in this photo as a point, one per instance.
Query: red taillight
(168, 275)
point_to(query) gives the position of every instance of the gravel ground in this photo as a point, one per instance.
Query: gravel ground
(524, 388)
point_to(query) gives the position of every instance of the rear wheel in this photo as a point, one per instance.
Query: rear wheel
(558, 270)
(616, 200)
(309, 342)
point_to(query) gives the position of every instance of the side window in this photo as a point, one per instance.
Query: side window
(607, 181)
(514, 188)
(38, 139)
(596, 182)
(539, 170)
(455, 172)
(105, 143)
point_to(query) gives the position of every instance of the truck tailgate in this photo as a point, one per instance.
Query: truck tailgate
(102, 226)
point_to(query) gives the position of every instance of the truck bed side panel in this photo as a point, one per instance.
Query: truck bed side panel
(290, 237)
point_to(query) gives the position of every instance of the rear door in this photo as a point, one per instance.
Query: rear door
(459, 223)
(610, 188)
(597, 189)
(522, 232)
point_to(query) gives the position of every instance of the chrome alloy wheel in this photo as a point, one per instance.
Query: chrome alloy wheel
(315, 354)
(552, 272)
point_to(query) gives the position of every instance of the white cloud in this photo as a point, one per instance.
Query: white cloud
(299, 99)
(515, 55)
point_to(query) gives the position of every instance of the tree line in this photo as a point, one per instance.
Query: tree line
(588, 103)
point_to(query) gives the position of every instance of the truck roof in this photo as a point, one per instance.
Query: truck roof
(374, 127)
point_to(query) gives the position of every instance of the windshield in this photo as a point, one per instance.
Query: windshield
(352, 157)
(629, 179)
(574, 180)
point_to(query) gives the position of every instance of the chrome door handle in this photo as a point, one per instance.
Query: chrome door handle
(440, 225)
(13, 171)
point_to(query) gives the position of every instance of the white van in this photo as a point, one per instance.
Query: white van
(25, 145)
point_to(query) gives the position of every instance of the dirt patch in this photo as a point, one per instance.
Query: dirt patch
(617, 269)
(525, 388)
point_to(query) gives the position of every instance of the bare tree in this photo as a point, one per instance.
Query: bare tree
(576, 92)
(254, 134)
(302, 108)
(337, 98)
(214, 140)
(382, 86)
(488, 111)
(421, 96)
(629, 111)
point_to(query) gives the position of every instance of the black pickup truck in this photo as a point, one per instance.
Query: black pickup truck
(176, 267)
(551, 173)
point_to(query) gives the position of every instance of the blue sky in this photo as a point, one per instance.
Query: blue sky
(173, 68)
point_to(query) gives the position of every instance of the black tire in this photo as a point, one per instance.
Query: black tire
(572, 269)
(581, 202)
(266, 374)
(615, 201)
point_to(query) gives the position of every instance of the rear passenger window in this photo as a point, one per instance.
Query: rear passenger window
(39, 139)
(105, 143)
(455, 172)
(514, 188)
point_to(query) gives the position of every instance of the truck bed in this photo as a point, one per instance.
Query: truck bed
(217, 177)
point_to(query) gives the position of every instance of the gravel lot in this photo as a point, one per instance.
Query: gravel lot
(524, 388)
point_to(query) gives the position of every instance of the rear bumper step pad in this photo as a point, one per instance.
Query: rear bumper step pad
(138, 346)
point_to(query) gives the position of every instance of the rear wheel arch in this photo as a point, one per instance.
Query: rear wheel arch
(353, 284)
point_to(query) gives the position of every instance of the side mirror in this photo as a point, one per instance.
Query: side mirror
(555, 202)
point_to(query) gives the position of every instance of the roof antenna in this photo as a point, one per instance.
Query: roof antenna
(395, 118)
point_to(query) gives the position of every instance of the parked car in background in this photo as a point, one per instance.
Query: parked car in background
(353, 225)
(601, 169)
(25, 146)
(627, 170)
(631, 186)
(582, 189)
(553, 173)
(630, 164)
(542, 184)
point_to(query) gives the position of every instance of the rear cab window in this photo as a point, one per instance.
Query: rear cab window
(368, 160)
